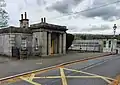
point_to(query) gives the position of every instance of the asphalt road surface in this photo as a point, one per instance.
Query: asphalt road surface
(106, 66)
(11, 68)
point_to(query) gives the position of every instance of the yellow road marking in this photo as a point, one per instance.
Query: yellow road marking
(87, 73)
(31, 82)
(55, 77)
(117, 82)
(64, 81)
(109, 82)
(27, 74)
(31, 77)
(83, 76)
(105, 78)
(49, 77)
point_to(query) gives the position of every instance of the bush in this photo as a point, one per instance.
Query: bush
(69, 40)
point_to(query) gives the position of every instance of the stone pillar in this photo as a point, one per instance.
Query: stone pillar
(60, 43)
(44, 43)
(49, 44)
(114, 44)
(64, 43)
(107, 44)
(56, 42)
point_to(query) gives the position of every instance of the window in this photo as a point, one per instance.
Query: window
(104, 43)
(24, 26)
(36, 44)
(23, 44)
(118, 44)
(109, 44)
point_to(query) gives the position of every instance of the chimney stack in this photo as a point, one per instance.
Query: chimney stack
(41, 19)
(44, 20)
(24, 22)
(25, 15)
(21, 16)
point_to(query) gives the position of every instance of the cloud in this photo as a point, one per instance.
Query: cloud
(77, 23)
(106, 13)
(109, 13)
(64, 6)
(97, 28)
(41, 2)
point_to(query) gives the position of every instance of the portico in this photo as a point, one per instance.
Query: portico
(52, 38)
(56, 43)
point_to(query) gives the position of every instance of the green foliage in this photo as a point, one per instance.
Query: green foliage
(4, 17)
(83, 37)
(93, 36)
(69, 40)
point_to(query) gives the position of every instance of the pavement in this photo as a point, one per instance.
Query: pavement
(4, 59)
(13, 67)
(103, 67)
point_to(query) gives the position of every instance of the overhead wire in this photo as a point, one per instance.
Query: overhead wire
(89, 9)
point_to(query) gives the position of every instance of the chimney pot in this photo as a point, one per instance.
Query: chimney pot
(44, 20)
(21, 16)
(25, 15)
(41, 19)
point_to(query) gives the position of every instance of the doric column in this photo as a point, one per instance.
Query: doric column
(49, 43)
(107, 44)
(60, 43)
(44, 43)
(64, 43)
(114, 44)
(56, 46)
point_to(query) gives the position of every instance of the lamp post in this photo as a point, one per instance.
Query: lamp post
(114, 28)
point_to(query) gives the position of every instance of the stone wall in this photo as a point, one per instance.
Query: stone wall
(40, 38)
(5, 44)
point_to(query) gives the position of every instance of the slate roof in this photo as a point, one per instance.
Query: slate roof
(13, 29)
(48, 26)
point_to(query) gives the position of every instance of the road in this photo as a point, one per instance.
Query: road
(11, 68)
(106, 66)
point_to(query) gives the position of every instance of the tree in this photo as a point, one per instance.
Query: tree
(83, 37)
(69, 40)
(4, 17)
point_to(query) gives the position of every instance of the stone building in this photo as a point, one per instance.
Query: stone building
(41, 38)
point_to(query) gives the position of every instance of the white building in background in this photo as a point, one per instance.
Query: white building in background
(87, 45)
(103, 45)
(111, 45)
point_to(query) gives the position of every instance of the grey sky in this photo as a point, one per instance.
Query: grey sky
(64, 6)
(107, 13)
(97, 28)
(75, 22)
